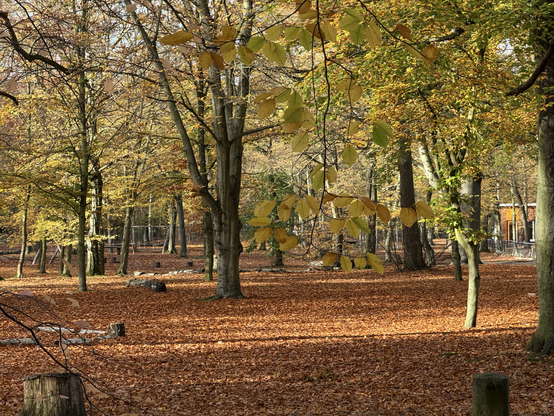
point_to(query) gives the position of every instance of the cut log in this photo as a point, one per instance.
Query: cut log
(491, 395)
(59, 394)
(155, 285)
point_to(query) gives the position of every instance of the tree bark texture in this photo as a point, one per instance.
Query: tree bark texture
(182, 231)
(172, 214)
(411, 242)
(208, 247)
(474, 278)
(125, 241)
(456, 261)
(42, 256)
(21, 260)
(95, 244)
(543, 339)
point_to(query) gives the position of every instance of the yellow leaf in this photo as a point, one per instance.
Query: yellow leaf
(246, 55)
(275, 92)
(328, 198)
(424, 210)
(284, 212)
(343, 201)
(349, 155)
(310, 14)
(413, 51)
(369, 203)
(289, 244)
(205, 59)
(408, 216)
(345, 84)
(353, 128)
(289, 200)
(228, 51)
(316, 169)
(360, 262)
(368, 212)
(430, 53)
(383, 213)
(329, 31)
(336, 225)
(307, 119)
(274, 32)
(332, 174)
(228, 32)
(218, 60)
(259, 221)
(404, 30)
(275, 53)
(354, 93)
(300, 142)
(177, 38)
(375, 263)
(352, 228)
(290, 127)
(281, 235)
(303, 209)
(373, 34)
(303, 6)
(263, 234)
(329, 259)
(313, 203)
(283, 96)
(266, 108)
(263, 209)
(262, 97)
(356, 209)
(345, 263)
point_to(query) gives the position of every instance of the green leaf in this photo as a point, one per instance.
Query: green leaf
(274, 32)
(349, 155)
(373, 34)
(300, 142)
(293, 114)
(255, 43)
(246, 55)
(352, 228)
(295, 100)
(351, 19)
(306, 39)
(362, 224)
(358, 35)
(381, 133)
(319, 179)
(292, 32)
(275, 53)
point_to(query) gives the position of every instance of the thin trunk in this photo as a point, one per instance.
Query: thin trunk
(125, 241)
(19, 274)
(171, 246)
(522, 210)
(62, 256)
(456, 261)
(208, 247)
(95, 244)
(474, 278)
(427, 248)
(371, 189)
(42, 257)
(411, 242)
(182, 232)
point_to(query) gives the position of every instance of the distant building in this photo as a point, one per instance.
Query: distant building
(507, 221)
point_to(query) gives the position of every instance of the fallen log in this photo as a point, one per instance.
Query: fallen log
(155, 285)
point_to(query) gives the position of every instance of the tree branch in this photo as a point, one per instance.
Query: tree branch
(11, 97)
(536, 73)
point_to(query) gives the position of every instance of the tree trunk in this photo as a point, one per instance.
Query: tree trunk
(182, 232)
(523, 210)
(543, 339)
(371, 188)
(171, 246)
(208, 247)
(95, 244)
(19, 274)
(474, 278)
(411, 242)
(456, 261)
(42, 257)
(427, 248)
(125, 241)
(56, 394)
(388, 241)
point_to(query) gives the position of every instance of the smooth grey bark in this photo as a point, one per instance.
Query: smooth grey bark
(208, 247)
(24, 219)
(172, 213)
(474, 278)
(229, 117)
(456, 261)
(95, 244)
(371, 189)
(543, 338)
(411, 241)
(182, 231)
(125, 240)
(427, 248)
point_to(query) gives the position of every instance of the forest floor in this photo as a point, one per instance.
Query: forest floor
(303, 343)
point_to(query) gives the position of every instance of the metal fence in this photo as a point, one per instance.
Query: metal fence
(512, 248)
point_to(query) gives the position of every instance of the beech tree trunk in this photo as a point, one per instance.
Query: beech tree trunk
(411, 241)
(474, 278)
(125, 241)
(42, 257)
(208, 247)
(95, 244)
(19, 274)
(456, 261)
(171, 246)
(371, 187)
(543, 339)
(182, 231)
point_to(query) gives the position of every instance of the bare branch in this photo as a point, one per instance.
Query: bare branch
(536, 73)
(11, 97)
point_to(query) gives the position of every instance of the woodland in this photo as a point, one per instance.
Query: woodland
(317, 183)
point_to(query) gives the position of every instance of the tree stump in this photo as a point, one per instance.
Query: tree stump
(157, 265)
(491, 393)
(118, 329)
(53, 394)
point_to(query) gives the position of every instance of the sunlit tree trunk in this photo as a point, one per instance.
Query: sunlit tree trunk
(182, 230)
(125, 240)
(95, 244)
(24, 220)
(474, 278)
(42, 257)
(171, 246)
